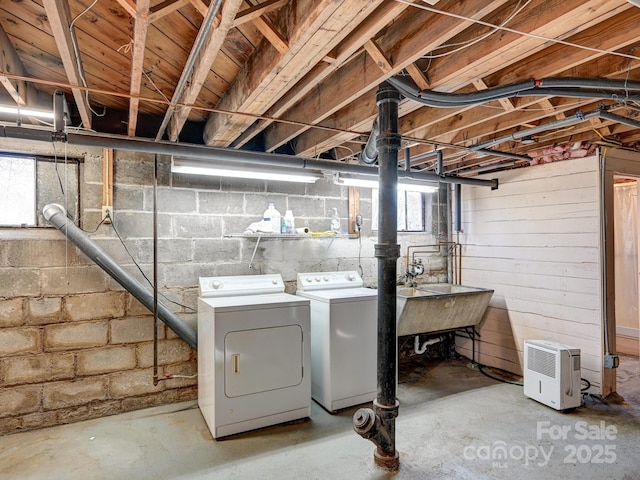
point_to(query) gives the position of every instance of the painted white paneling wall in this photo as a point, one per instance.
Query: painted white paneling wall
(536, 242)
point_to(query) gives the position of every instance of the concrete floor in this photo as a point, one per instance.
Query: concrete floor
(453, 422)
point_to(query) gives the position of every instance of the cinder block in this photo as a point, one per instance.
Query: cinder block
(20, 400)
(76, 392)
(77, 335)
(221, 203)
(134, 224)
(180, 274)
(326, 188)
(229, 184)
(70, 280)
(25, 281)
(132, 383)
(103, 360)
(169, 351)
(19, 340)
(308, 207)
(134, 307)
(44, 310)
(209, 250)
(169, 250)
(128, 197)
(38, 420)
(197, 226)
(190, 319)
(41, 253)
(11, 312)
(38, 368)
(238, 223)
(94, 306)
(255, 205)
(133, 168)
(175, 201)
(96, 409)
(133, 330)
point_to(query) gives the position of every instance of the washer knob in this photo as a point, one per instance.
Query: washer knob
(351, 277)
(216, 284)
(326, 279)
(309, 279)
(317, 279)
(274, 281)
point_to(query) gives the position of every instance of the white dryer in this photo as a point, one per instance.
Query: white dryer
(253, 353)
(344, 338)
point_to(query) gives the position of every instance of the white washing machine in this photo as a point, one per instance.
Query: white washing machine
(344, 338)
(253, 353)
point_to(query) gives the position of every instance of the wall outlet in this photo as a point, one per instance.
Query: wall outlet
(611, 361)
(107, 213)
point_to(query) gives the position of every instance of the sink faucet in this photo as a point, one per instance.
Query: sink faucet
(415, 269)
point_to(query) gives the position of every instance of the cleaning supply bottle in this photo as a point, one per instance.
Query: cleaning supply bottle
(272, 216)
(288, 222)
(335, 221)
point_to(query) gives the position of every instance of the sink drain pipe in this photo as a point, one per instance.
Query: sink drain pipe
(379, 424)
(57, 216)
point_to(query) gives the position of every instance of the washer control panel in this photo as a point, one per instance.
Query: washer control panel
(328, 280)
(240, 285)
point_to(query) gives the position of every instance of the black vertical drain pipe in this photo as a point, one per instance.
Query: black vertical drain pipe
(378, 424)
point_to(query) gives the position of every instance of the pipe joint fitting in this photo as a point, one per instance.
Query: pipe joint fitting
(388, 141)
(378, 426)
(387, 93)
(387, 250)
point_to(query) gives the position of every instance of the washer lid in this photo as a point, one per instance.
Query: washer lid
(253, 302)
(328, 280)
(240, 285)
(341, 295)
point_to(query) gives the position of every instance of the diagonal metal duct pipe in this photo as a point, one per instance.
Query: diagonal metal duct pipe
(207, 25)
(206, 153)
(57, 216)
(379, 424)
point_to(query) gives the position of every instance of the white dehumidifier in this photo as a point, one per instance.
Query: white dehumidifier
(552, 374)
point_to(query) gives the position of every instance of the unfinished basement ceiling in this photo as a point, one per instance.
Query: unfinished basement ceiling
(300, 76)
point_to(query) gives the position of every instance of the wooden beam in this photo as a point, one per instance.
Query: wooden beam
(418, 76)
(405, 41)
(200, 6)
(506, 103)
(313, 29)
(378, 56)
(387, 12)
(11, 63)
(165, 8)
(137, 62)
(59, 20)
(272, 35)
(599, 125)
(128, 6)
(206, 57)
(257, 11)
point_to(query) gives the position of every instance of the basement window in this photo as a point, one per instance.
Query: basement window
(412, 208)
(28, 183)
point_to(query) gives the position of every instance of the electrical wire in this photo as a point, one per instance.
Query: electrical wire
(517, 32)
(138, 266)
(76, 51)
(469, 43)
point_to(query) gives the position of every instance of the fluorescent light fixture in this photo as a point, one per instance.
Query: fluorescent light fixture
(255, 172)
(408, 184)
(26, 112)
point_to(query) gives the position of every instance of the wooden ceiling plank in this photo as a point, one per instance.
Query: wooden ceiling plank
(129, 6)
(165, 8)
(406, 40)
(257, 11)
(318, 28)
(200, 71)
(59, 20)
(345, 50)
(137, 61)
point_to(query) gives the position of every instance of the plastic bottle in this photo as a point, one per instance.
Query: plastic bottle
(288, 222)
(272, 216)
(335, 221)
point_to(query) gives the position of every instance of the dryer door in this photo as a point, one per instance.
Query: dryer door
(262, 359)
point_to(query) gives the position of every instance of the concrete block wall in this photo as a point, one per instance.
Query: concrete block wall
(74, 345)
